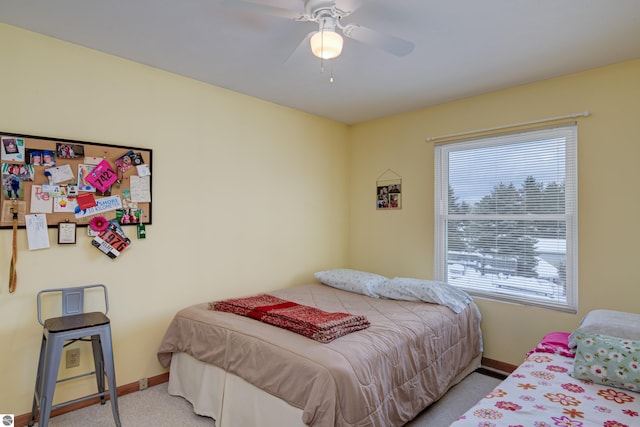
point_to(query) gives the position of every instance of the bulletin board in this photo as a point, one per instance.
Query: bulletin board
(73, 181)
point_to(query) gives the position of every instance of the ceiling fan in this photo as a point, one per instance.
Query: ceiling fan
(326, 43)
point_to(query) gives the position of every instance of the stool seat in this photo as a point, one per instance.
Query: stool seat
(75, 321)
(58, 332)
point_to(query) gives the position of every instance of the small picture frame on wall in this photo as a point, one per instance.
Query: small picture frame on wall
(389, 194)
(67, 233)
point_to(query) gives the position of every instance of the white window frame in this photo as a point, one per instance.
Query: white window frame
(570, 216)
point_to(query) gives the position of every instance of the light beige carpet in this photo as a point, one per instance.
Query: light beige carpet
(456, 402)
(155, 407)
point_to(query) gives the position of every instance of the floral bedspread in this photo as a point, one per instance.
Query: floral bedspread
(542, 393)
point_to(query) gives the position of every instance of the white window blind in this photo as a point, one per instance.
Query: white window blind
(506, 216)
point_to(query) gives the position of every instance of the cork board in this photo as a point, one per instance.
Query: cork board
(55, 176)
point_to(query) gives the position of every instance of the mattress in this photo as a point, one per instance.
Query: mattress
(381, 376)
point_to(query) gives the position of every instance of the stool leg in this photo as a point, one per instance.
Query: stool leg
(53, 354)
(98, 361)
(107, 353)
(38, 389)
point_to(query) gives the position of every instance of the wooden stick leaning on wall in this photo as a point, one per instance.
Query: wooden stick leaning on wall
(13, 277)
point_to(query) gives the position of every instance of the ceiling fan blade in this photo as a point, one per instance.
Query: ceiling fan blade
(262, 9)
(391, 44)
(304, 44)
(349, 5)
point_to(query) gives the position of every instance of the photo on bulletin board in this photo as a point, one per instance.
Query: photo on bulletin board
(43, 175)
(12, 149)
(389, 194)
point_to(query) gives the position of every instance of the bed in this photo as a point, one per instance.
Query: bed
(583, 378)
(241, 371)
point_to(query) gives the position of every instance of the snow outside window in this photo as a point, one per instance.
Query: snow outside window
(506, 216)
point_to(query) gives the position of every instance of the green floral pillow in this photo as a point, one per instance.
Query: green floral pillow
(608, 360)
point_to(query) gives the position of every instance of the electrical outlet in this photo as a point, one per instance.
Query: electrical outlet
(143, 384)
(73, 357)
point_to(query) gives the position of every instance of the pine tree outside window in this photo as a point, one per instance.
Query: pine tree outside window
(506, 216)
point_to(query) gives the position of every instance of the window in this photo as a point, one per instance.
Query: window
(506, 216)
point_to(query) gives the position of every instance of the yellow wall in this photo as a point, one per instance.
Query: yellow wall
(400, 243)
(248, 196)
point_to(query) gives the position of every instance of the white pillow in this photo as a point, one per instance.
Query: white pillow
(356, 281)
(409, 289)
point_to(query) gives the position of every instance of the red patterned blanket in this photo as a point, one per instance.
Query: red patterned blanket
(310, 322)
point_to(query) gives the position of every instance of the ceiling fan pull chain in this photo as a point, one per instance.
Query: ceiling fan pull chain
(322, 28)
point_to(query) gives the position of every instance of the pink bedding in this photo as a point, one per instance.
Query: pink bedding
(381, 376)
(541, 393)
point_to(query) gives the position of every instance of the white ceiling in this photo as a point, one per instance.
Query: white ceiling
(462, 47)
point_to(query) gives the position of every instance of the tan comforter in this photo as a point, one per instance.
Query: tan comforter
(381, 376)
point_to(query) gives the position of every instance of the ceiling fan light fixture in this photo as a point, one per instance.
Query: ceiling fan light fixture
(326, 44)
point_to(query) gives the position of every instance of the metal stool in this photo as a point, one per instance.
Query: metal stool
(74, 325)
